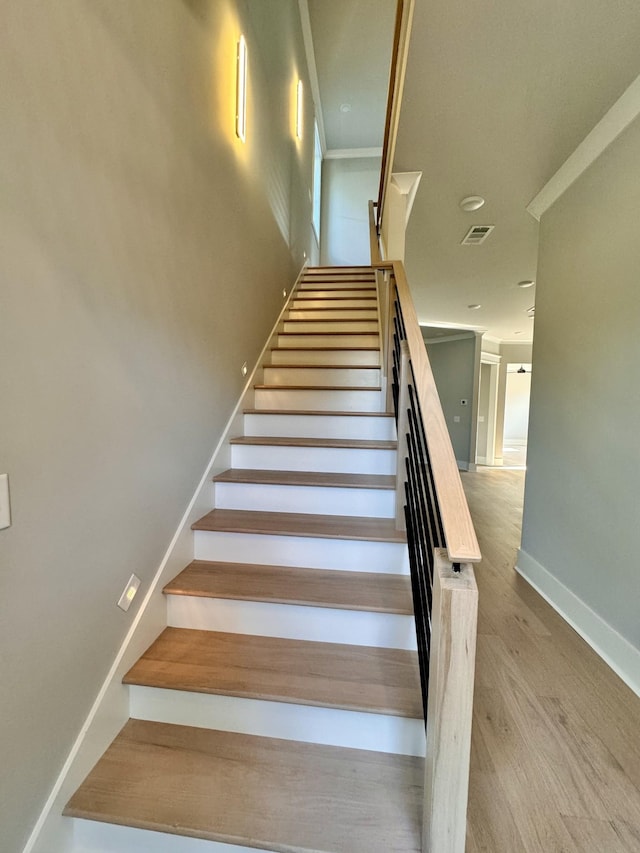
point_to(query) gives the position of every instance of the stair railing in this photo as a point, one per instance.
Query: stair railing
(442, 544)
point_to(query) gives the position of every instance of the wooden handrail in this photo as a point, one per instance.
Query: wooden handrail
(374, 245)
(442, 545)
(399, 53)
(461, 542)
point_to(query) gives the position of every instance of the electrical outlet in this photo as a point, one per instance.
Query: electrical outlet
(5, 503)
(129, 593)
(244, 369)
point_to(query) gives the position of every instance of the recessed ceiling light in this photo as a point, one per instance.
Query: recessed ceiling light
(471, 203)
(526, 283)
(475, 306)
(345, 108)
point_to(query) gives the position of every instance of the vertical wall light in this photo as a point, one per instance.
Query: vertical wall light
(241, 90)
(299, 109)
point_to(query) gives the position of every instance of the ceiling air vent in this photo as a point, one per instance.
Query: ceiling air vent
(477, 234)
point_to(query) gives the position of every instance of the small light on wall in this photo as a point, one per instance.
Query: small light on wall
(299, 109)
(129, 593)
(241, 90)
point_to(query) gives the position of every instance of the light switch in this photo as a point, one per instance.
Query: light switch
(456, 419)
(5, 504)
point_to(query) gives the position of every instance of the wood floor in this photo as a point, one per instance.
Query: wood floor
(555, 761)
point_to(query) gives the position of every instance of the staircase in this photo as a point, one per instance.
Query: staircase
(281, 709)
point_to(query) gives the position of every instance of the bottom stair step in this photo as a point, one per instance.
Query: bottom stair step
(264, 793)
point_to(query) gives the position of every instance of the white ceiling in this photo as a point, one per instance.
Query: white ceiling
(498, 94)
(352, 40)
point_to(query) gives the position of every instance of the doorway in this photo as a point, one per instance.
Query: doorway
(487, 409)
(516, 415)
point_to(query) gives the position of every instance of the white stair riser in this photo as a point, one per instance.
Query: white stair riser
(320, 426)
(333, 302)
(320, 500)
(313, 341)
(320, 292)
(361, 376)
(92, 836)
(308, 356)
(312, 400)
(306, 313)
(346, 460)
(288, 721)
(350, 555)
(292, 621)
(329, 326)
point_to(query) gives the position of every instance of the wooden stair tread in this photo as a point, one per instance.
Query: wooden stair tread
(329, 334)
(298, 298)
(328, 675)
(306, 478)
(278, 795)
(328, 320)
(283, 441)
(320, 412)
(335, 307)
(302, 366)
(370, 591)
(317, 387)
(325, 349)
(300, 524)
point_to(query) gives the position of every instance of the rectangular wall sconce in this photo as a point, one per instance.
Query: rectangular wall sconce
(241, 90)
(299, 110)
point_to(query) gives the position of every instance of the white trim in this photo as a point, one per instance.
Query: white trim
(106, 715)
(490, 358)
(610, 126)
(464, 336)
(351, 153)
(460, 327)
(614, 649)
(491, 339)
(307, 37)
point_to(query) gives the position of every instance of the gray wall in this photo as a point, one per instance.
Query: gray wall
(144, 254)
(347, 187)
(581, 502)
(453, 365)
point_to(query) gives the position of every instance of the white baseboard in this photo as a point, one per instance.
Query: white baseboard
(614, 649)
(110, 710)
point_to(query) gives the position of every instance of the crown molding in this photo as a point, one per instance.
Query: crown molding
(351, 153)
(610, 126)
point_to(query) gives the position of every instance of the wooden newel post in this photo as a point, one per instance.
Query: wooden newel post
(403, 426)
(450, 706)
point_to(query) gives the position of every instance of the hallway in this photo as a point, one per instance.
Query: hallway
(555, 762)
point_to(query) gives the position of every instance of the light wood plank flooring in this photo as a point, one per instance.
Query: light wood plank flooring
(555, 763)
